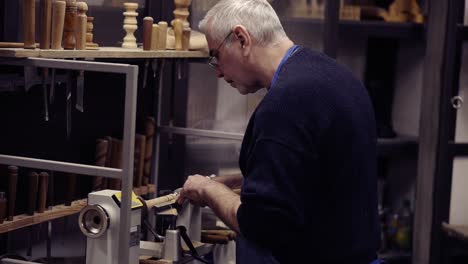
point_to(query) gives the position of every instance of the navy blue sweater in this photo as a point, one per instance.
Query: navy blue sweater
(309, 165)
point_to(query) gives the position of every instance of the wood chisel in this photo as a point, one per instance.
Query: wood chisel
(45, 73)
(58, 20)
(52, 87)
(12, 182)
(43, 185)
(80, 92)
(68, 104)
(45, 7)
(32, 192)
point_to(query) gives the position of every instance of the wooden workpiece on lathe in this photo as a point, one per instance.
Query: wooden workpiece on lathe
(147, 32)
(162, 201)
(29, 24)
(69, 41)
(45, 22)
(58, 20)
(80, 34)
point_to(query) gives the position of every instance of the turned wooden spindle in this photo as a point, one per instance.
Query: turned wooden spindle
(162, 38)
(80, 34)
(12, 182)
(58, 20)
(182, 11)
(130, 25)
(29, 24)
(147, 32)
(177, 25)
(45, 20)
(69, 41)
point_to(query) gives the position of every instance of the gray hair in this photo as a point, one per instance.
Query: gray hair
(257, 16)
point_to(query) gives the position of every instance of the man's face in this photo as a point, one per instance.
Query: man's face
(232, 65)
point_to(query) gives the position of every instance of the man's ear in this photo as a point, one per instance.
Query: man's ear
(245, 41)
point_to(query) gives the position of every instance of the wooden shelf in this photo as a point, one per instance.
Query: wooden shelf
(456, 231)
(57, 211)
(365, 28)
(103, 52)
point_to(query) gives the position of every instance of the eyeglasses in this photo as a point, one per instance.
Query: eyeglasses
(213, 59)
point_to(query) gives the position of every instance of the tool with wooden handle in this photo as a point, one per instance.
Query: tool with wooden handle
(43, 185)
(163, 201)
(29, 24)
(32, 192)
(81, 21)
(69, 41)
(58, 20)
(3, 207)
(45, 20)
(186, 38)
(12, 182)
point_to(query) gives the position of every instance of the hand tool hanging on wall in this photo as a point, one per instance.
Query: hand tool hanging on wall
(29, 12)
(32, 192)
(12, 182)
(68, 103)
(162, 38)
(58, 20)
(52, 87)
(178, 30)
(3, 207)
(45, 74)
(79, 105)
(43, 185)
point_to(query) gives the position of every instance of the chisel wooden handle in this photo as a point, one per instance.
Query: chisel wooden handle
(32, 192)
(69, 26)
(58, 20)
(178, 30)
(29, 23)
(3, 207)
(80, 33)
(147, 32)
(149, 133)
(214, 239)
(71, 185)
(155, 37)
(12, 181)
(162, 38)
(139, 160)
(45, 20)
(43, 185)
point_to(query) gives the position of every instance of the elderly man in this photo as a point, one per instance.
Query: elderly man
(308, 158)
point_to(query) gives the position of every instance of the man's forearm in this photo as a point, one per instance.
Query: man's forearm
(233, 181)
(224, 203)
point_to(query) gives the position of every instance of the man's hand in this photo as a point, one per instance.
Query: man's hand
(194, 190)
